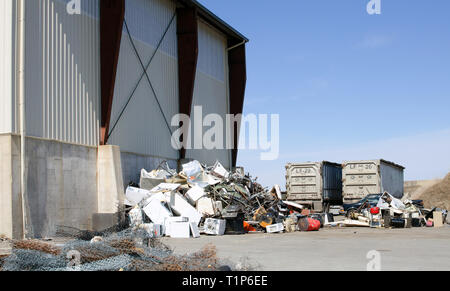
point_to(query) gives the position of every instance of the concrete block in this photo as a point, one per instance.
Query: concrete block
(10, 201)
(61, 186)
(111, 194)
(6, 215)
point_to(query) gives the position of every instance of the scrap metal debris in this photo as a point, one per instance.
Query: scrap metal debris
(391, 212)
(210, 200)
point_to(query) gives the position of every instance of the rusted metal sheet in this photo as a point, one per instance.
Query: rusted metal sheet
(112, 14)
(187, 34)
(237, 83)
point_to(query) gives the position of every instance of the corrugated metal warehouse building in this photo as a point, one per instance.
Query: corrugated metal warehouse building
(82, 82)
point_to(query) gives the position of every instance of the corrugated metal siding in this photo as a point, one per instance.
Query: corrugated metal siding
(212, 50)
(332, 182)
(63, 71)
(142, 129)
(211, 88)
(6, 65)
(392, 180)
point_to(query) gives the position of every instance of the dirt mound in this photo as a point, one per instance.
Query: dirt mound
(438, 195)
(415, 189)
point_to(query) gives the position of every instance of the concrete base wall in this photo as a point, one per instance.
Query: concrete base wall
(10, 201)
(61, 186)
(67, 185)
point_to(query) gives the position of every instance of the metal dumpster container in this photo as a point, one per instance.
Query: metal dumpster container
(361, 178)
(314, 184)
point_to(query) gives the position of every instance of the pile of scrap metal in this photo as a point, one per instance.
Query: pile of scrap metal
(208, 200)
(391, 212)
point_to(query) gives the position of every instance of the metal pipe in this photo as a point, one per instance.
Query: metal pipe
(238, 45)
(21, 93)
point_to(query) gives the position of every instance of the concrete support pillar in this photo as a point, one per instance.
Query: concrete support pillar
(110, 187)
(10, 203)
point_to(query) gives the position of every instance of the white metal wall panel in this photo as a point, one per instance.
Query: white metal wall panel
(212, 51)
(147, 20)
(63, 71)
(6, 65)
(142, 128)
(211, 89)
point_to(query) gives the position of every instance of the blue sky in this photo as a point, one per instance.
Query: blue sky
(348, 85)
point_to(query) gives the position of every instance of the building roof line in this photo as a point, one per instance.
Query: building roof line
(215, 20)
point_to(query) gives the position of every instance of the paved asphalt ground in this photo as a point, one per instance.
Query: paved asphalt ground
(328, 249)
(332, 249)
